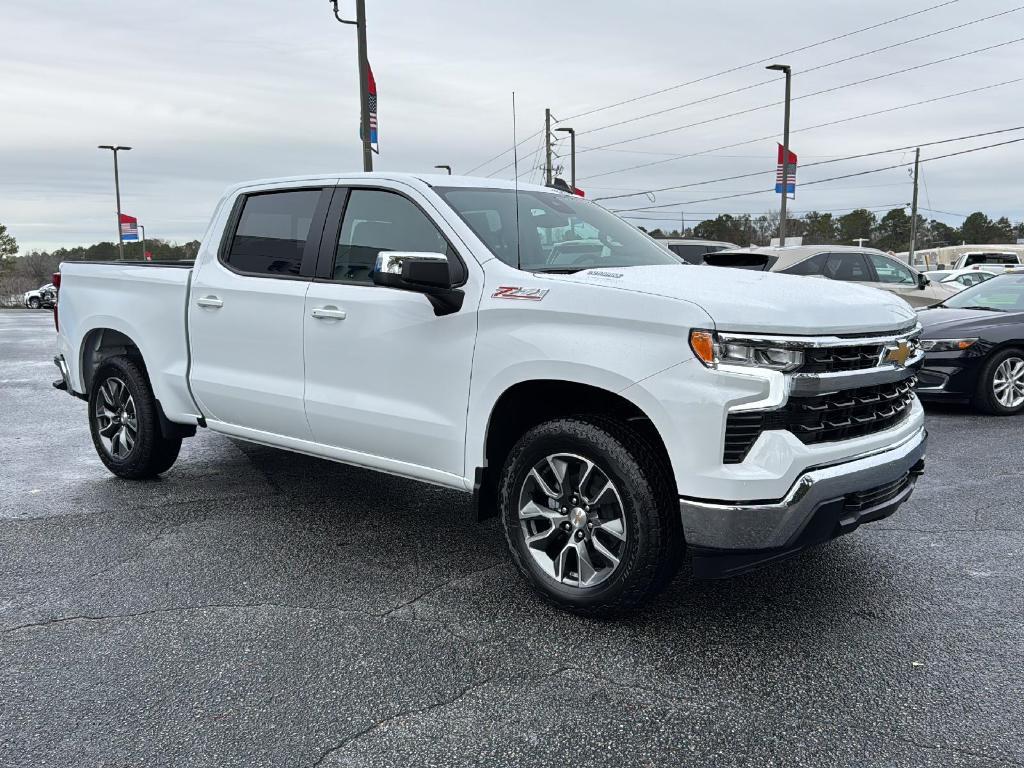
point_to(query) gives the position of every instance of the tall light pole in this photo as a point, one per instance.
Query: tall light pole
(785, 151)
(572, 153)
(364, 80)
(444, 167)
(115, 148)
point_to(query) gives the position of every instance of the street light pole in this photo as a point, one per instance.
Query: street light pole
(785, 150)
(445, 167)
(364, 80)
(572, 153)
(117, 192)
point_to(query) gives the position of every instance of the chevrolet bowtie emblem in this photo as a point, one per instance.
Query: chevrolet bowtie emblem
(898, 355)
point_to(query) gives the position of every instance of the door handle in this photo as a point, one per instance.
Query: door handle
(328, 313)
(210, 301)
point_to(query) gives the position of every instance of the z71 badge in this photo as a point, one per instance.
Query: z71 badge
(517, 292)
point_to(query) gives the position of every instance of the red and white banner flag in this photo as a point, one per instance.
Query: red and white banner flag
(790, 175)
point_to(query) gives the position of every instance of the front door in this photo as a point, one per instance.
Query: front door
(246, 313)
(385, 376)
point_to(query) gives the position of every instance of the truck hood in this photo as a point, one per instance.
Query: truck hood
(762, 302)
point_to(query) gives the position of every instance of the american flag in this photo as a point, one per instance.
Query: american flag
(791, 168)
(129, 227)
(371, 98)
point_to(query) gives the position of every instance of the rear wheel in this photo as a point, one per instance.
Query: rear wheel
(33, 303)
(590, 515)
(1001, 384)
(124, 423)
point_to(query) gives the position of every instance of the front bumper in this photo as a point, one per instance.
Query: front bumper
(728, 537)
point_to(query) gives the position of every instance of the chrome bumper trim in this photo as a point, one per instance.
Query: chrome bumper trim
(774, 524)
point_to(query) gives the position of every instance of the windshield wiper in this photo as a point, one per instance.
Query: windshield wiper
(986, 309)
(560, 270)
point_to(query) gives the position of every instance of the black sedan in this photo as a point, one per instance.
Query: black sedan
(974, 347)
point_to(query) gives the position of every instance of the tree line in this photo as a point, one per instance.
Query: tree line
(25, 272)
(890, 232)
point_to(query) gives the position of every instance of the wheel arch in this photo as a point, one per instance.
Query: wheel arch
(100, 344)
(527, 403)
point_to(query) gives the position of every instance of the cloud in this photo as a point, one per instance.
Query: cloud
(209, 94)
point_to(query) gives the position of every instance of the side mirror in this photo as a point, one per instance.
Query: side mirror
(421, 272)
(922, 280)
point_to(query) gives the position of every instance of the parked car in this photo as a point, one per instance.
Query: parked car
(965, 278)
(43, 297)
(836, 262)
(614, 412)
(974, 347)
(997, 259)
(693, 251)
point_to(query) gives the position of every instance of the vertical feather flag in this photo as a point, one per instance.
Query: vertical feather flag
(791, 173)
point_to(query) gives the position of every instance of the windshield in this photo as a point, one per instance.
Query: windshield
(556, 232)
(1004, 293)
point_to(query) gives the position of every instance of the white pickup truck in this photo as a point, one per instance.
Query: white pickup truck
(614, 406)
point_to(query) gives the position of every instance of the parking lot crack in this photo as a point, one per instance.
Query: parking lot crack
(438, 587)
(455, 699)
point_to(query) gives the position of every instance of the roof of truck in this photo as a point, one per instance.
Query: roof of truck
(431, 179)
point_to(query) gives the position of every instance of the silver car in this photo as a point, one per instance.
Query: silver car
(866, 266)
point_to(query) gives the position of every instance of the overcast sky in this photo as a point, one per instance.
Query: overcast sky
(211, 92)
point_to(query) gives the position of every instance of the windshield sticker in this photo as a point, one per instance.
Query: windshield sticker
(518, 292)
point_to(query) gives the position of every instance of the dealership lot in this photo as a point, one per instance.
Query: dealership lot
(259, 607)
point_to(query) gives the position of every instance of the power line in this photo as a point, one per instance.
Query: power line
(673, 217)
(830, 123)
(801, 72)
(822, 181)
(811, 165)
(502, 153)
(762, 61)
(805, 96)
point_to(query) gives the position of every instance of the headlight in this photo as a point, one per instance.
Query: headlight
(712, 351)
(946, 345)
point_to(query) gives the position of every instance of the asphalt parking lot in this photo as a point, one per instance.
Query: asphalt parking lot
(255, 607)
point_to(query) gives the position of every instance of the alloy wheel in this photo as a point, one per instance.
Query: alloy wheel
(116, 419)
(1008, 383)
(572, 520)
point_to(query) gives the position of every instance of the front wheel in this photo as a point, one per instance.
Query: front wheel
(590, 515)
(33, 303)
(124, 423)
(1001, 384)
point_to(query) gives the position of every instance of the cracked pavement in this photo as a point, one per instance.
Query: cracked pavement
(255, 607)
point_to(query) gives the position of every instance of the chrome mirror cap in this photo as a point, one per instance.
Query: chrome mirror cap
(391, 262)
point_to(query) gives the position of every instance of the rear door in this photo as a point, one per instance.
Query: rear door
(246, 312)
(386, 378)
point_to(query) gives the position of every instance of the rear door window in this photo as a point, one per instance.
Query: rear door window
(847, 266)
(272, 231)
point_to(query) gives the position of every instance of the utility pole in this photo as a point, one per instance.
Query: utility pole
(547, 147)
(913, 209)
(572, 154)
(117, 193)
(785, 150)
(364, 79)
(143, 230)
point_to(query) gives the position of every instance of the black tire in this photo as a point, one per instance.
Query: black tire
(984, 395)
(33, 303)
(653, 548)
(150, 453)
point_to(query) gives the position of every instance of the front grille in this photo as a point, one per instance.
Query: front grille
(822, 418)
(861, 500)
(835, 359)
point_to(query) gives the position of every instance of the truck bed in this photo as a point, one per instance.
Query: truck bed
(145, 301)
